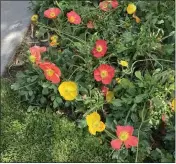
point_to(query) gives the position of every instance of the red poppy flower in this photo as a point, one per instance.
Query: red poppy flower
(100, 48)
(36, 51)
(104, 73)
(52, 13)
(104, 90)
(124, 134)
(73, 17)
(51, 71)
(90, 25)
(105, 5)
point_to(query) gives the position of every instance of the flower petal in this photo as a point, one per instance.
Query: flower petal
(132, 141)
(116, 144)
(101, 127)
(92, 131)
(128, 129)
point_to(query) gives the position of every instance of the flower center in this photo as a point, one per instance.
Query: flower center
(99, 48)
(52, 14)
(104, 74)
(123, 136)
(49, 72)
(72, 19)
(32, 58)
(105, 5)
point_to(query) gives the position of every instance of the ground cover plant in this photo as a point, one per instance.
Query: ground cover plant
(43, 136)
(109, 66)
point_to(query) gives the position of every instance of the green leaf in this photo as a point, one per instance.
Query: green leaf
(140, 98)
(15, 86)
(157, 102)
(30, 108)
(138, 75)
(45, 91)
(117, 102)
(82, 123)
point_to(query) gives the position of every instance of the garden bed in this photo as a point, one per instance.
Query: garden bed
(108, 66)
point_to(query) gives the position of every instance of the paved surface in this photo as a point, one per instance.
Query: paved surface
(15, 19)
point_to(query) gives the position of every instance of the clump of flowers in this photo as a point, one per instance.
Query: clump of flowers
(68, 90)
(94, 123)
(51, 72)
(73, 17)
(52, 13)
(100, 48)
(104, 73)
(124, 134)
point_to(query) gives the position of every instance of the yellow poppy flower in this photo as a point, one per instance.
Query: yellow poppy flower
(118, 80)
(123, 63)
(68, 90)
(94, 123)
(109, 96)
(173, 104)
(34, 18)
(54, 37)
(131, 8)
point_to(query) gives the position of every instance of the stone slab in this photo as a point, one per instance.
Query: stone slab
(15, 20)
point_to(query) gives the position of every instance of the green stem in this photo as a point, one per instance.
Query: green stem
(73, 73)
(79, 57)
(92, 109)
(111, 135)
(136, 159)
(27, 85)
(127, 117)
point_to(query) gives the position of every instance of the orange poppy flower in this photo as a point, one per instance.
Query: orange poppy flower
(52, 13)
(124, 134)
(108, 4)
(104, 90)
(104, 73)
(51, 71)
(73, 17)
(36, 51)
(100, 48)
(90, 25)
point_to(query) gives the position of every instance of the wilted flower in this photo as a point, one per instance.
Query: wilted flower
(90, 25)
(104, 90)
(108, 4)
(109, 96)
(118, 80)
